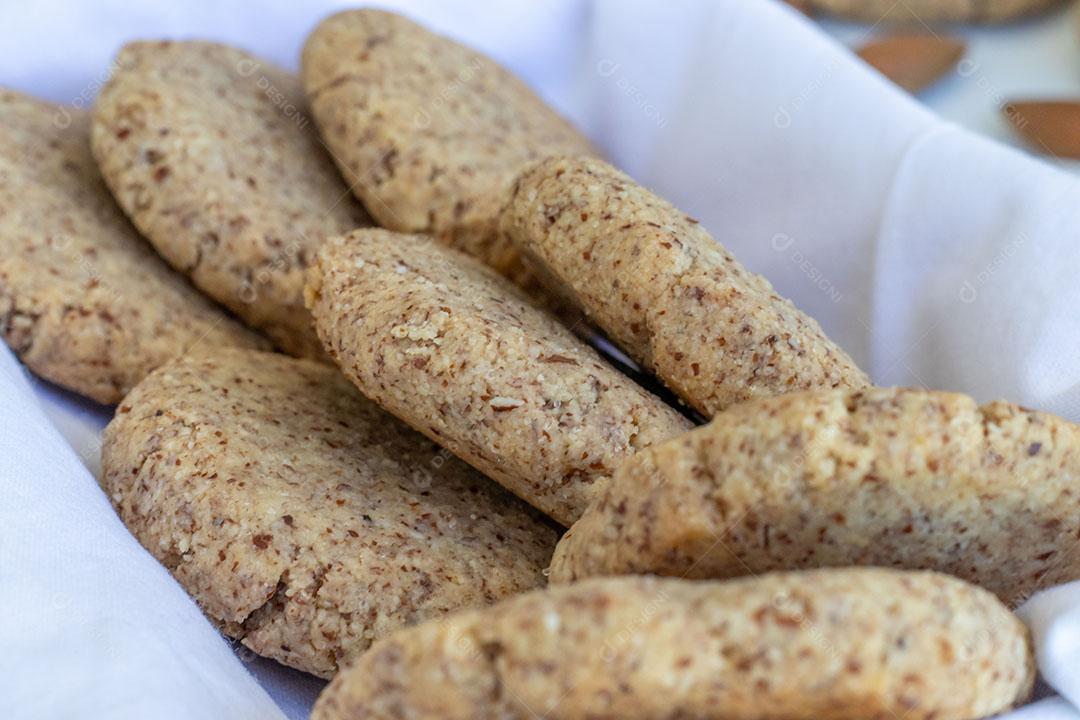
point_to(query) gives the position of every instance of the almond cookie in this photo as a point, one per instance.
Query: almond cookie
(908, 478)
(851, 644)
(304, 520)
(666, 291)
(84, 301)
(211, 153)
(915, 11)
(428, 133)
(457, 352)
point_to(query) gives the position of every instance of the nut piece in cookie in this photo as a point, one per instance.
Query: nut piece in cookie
(428, 133)
(212, 154)
(666, 291)
(907, 478)
(456, 351)
(84, 301)
(845, 644)
(305, 521)
(920, 12)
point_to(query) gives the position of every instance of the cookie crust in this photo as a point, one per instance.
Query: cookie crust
(666, 291)
(456, 351)
(84, 301)
(212, 154)
(429, 134)
(831, 644)
(305, 521)
(907, 478)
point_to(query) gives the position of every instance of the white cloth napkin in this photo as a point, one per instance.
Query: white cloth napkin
(935, 257)
(92, 626)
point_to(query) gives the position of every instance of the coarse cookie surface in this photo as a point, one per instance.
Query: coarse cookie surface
(456, 351)
(430, 134)
(84, 301)
(886, 476)
(304, 520)
(850, 644)
(211, 153)
(667, 292)
(915, 11)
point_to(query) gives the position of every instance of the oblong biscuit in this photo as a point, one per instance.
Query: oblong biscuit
(84, 301)
(852, 644)
(457, 352)
(303, 519)
(210, 151)
(666, 291)
(908, 478)
(429, 134)
(923, 11)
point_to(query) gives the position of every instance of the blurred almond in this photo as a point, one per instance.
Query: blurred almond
(1052, 126)
(913, 62)
(802, 6)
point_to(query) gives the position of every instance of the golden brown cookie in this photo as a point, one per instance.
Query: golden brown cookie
(211, 153)
(84, 301)
(850, 644)
(457, 352)
(428, 133)
(666, 291)
(303, 519)
(923, 11)
(907, 478)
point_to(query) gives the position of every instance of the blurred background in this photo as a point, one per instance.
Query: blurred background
(1036, 58)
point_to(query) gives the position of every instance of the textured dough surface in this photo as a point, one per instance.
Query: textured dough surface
(303, 519)
(852, 644)
(909, 478)
(457, 352)
(932, 10)
(84, 301)
(211, 153)
(428, 133)
(666, 291)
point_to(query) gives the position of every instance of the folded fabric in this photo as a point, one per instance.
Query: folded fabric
(93, 626)
(1054, 618)
(934, 256)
